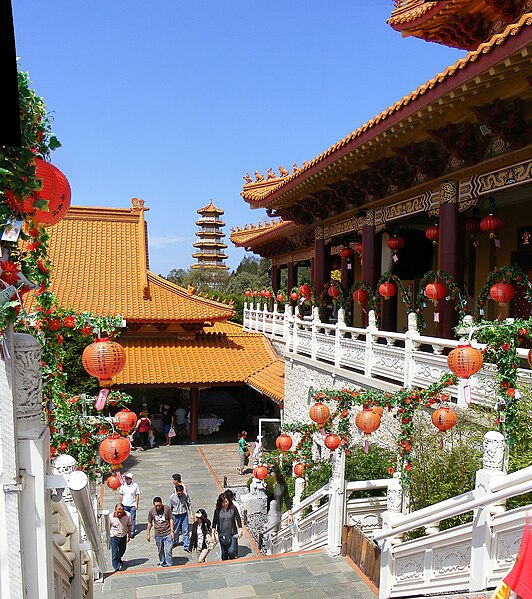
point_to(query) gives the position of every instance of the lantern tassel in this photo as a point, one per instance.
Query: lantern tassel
(366, 445)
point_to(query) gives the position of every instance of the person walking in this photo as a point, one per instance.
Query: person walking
(142, 429)
(180, 505)
(167, 417)
(160, 517)
(201, 537)
(228, 526)
(243, 451)
(129, 496)
(181, 421)
(119, 535)
(176, 480)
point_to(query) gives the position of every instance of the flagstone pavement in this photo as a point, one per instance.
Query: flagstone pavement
(308, 574)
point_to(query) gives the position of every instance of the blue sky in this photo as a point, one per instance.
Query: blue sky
(174, 101)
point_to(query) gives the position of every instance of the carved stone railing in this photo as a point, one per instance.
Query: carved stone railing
(406, 359)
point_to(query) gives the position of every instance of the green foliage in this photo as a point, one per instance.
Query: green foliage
(78, 380)
(365, 466)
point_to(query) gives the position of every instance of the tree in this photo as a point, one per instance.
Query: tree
(178, 276)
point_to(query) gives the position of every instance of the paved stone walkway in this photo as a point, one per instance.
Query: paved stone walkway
(310, 575)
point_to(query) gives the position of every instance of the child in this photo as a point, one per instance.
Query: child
(201, 538)
(151, 438)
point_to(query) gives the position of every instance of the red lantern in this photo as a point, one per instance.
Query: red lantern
(55, 190)
(358, 247)
(443, 419)
(299, 469)
(502, 292)
(247, 292)
(332, 442)
(115, 449)
(435, 291)
(280, 297)
(465, 361)
(334, 292)
(319, 413)
(387, 290)
(283, 442)
(347, 252)
(267, 294)
(113, 482)
(472, 226)
(104, 359)
(396, 243)
(360, 296)
(260, 472)
(367, 421)
(491, 224)
(378, 410)
(432, 234)
(126, 420)
(255, 293)
(294, 295)
(305, 290)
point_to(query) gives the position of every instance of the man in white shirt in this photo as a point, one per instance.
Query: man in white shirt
(181, 419)
(129, 496)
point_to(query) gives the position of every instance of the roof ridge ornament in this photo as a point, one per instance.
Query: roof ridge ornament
(138, 205)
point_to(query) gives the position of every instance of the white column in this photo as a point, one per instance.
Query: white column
(314, 334)
(336, 517)
(338, 334)
(370, 331)
(409, 368)
(394, 503)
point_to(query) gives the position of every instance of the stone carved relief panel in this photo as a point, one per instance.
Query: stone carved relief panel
(410, 567)
(28, 381)
(507, 544)
(451, 559)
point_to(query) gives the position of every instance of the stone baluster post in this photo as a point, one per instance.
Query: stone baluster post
(299, 487)
(264, 315)
(336, 516)
(288, 325)
(409, 350)
(245, 316)
(314, 335)
(394, 506)
(481, 543)
(295, 330)
(274, 318)
(339, 333)
(371, 329)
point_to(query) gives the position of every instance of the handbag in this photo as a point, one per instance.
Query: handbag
(171, 432)
(247, 451)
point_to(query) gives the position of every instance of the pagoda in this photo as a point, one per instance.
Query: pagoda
(210, 246)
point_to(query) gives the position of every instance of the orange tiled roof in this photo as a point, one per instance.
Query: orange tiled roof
(259, 196)
(409, 10)
(101, 265)
(224, 354)
(242, 236)
(210, 208)
(269, 380)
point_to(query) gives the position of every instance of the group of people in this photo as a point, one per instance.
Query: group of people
(169, 521)
(167, 423)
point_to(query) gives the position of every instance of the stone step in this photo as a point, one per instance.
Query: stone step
(311, 575)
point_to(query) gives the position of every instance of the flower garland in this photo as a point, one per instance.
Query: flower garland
(373, 303)
(389, 277)
(514, 273)
(404, 403)
(454, 294)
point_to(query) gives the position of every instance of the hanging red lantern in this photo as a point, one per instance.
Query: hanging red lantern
(435, 291)
(491, 224)
(104, 359)
(280, 297)
(260, 472)
(126, 420)
(502, 292)
(387, 290)
(378, 410)
(305, 290)
(262, 292)
(283, 442)
(319, 413)
(465, 361)
(358, 247)
(55, 191)
(360, 296)
(332, 442)
(294, 295)
(255, 293)
(334, 291)
(472, 226)
(443, 418)
(247, 292)
(347, 252)
(433, 234)
(113, 482)
(267, 294)
(115, 449)
(367, 421)
(396, 243)
(299, 469)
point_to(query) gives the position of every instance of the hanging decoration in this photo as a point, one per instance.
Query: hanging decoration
(113, 482)
(104, 359)
(319, 413)
(473, 229)
(247, 292)
(334, 291)
(280, 297)
(360, 296)
(332, 442)
(504, 273)
(443, 419)
(358, 247)
(465, 361)
(305, 290)
(283, 442)
(387, 290)
(347, 252)
(433, 234)
(435, 291)
(299, 469)
(115, 449)
(396, 243)
(260, 472)
(367, 421)
(126, 420)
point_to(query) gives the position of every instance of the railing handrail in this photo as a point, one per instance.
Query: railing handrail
(365, 485)
(426, 516)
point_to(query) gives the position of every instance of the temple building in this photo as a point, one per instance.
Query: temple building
(177, 342)
(440, 182)
(210, 247)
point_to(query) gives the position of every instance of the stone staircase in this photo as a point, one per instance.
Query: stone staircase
(311, 575)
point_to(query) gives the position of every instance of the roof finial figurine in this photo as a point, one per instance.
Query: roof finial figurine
(258, 176)
(247, 178)
(296, 168)
(271, 174)
(305, 163)
(283, 172)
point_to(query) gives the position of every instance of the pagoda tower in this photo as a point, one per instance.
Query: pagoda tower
(210, 246)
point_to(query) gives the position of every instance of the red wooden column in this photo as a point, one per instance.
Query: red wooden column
(292, 276)
(276, 278)
(320, 263)
(371, 257)
(194, 409)
(451, 249)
